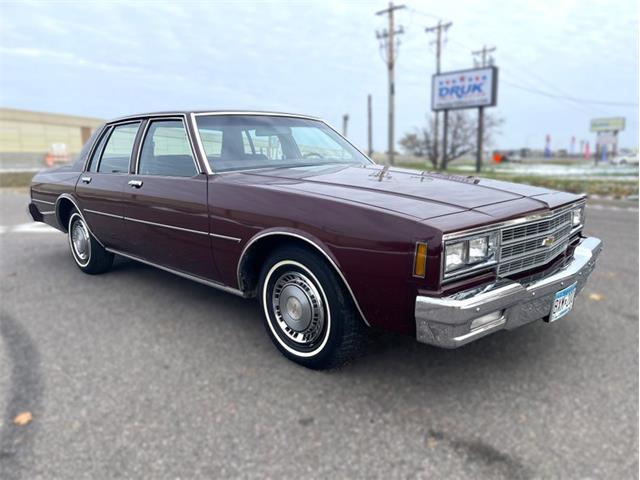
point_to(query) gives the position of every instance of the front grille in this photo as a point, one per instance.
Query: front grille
(535, 243)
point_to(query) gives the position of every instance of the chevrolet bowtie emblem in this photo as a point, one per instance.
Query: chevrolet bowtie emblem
(548, 241)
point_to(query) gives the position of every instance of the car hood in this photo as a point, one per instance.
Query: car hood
(422, 195)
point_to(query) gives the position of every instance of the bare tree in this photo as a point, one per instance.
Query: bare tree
(462, 137)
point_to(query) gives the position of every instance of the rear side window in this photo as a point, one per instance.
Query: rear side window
(117, 152)
(95, 158)
(166, 150)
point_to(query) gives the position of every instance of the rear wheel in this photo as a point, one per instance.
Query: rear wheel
(89, 255)
(308, 314)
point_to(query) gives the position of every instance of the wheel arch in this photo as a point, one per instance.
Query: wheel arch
(64, 204)
(259, 246)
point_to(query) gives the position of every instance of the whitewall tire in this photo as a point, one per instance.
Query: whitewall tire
(308, 314)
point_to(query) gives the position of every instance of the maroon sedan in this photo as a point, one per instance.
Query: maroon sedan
(282, 208)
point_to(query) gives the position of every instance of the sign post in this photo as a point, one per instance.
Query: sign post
(445, 133)
(476, 87)
(606, 130)
(480, 135)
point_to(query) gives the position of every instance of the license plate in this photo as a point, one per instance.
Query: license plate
(563, 302)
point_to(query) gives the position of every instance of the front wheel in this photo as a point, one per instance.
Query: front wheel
(308, 313)
(89, 255)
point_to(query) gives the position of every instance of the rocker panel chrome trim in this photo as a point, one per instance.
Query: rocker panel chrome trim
(45, 202)
(179, 273)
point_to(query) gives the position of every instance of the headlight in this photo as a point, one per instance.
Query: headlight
(577, 216)
(478, 249)
(455, 256)
(470, 253)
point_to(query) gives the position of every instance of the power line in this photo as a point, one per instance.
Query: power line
(560, 95)
(516, 73)
(572, 99)
(424, 14)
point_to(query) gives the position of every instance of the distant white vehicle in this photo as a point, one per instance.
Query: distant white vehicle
(625, 160)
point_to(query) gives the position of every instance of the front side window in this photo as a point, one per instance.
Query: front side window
(166, 150)
(244, 142)
(117, 152)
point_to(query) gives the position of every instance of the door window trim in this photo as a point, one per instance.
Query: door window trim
(143, 137)
(104, 135)
(108, 131)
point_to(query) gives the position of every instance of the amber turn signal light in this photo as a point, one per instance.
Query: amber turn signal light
(420, 260)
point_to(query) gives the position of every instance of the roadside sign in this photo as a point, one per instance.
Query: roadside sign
(606, 138)
(612, 124)
(476, 87)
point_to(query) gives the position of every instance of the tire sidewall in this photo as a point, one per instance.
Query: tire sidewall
(326, 283)
(75, 216)
(267, 289)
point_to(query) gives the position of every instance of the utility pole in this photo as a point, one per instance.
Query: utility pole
(369, 127)
(345, 122)
(485, 61)
(387, 41)
(441, 27)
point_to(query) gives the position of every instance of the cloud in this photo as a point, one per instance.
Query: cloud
(318, 57)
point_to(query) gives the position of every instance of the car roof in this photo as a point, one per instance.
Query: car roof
(210, 112)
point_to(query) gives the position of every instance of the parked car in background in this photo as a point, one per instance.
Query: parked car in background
(631, 159)
(283, 208)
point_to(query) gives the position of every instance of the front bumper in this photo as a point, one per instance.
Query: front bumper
(506, 304)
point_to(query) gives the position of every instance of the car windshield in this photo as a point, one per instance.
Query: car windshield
(244, 142)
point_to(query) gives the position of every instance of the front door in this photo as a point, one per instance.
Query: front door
(165, 203)
(100, 188)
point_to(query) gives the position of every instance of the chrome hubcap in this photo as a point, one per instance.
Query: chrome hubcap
(80, 240)
(298, 307)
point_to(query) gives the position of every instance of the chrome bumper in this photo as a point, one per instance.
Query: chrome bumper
(505, 304)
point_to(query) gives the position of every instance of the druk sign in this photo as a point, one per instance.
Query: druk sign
(465, 89)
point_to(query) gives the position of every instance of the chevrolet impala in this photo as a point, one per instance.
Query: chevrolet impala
(282, 208)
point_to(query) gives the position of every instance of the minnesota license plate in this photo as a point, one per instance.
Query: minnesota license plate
(563, 302)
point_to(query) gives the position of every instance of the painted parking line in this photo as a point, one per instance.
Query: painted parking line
(31, 227)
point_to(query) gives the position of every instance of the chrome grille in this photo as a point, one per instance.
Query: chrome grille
(529, 245)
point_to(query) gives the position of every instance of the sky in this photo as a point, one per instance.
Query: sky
(107, 59)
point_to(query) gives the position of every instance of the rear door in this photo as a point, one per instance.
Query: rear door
(165, 202)
(101, 186)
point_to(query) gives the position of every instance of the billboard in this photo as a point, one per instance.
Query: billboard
(607, 138)
(612, 124)
(476, 87)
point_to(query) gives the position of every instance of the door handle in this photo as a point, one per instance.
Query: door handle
(86, 179)
(135, 183)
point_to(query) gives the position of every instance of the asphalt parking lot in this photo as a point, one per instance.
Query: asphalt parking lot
(138, 373)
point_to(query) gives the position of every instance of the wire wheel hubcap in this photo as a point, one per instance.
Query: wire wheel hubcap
(80, 240)
(298, 307)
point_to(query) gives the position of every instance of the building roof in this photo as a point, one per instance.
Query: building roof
(17, 115)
